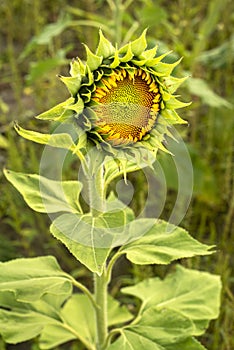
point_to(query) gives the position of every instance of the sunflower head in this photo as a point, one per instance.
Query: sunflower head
(122, 97)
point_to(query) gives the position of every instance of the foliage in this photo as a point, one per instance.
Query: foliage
(28, 87)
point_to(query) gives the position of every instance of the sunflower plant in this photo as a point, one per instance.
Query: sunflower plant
(120, 110)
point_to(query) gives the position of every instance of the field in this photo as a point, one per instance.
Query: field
(38, 39)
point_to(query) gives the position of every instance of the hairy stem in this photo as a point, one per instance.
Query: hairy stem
(96, 199)
(100, 292)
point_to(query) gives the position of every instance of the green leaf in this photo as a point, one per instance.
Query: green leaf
(54, 335)
(77, 67)
(133, 341)
(78, 106)
(84, 239)
(154, 330)
(169, 116)
(47, 34)
(23, 321)
(72, 83)
(165, 69)
(93, 61)
(43, 67)
(163, 326)
(199, 87)
(90, 239)
(29, 279)
(163, 243)
(105, 48)
(3, 142)
(173, 103)
(46, 195)
(79, 312)
(140, 44)
(117, 313)
(57, 111)
(173, 83)
(191, 293)
(59, 140)
(126, 51)
(188, 344)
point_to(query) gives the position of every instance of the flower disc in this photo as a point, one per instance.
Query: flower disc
(127, 105)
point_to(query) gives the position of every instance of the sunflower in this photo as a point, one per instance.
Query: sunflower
(121, 97)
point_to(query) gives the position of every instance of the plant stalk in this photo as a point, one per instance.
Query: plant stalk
(100, 292)
(96, 198)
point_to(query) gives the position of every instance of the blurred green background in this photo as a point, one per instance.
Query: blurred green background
(38, 39)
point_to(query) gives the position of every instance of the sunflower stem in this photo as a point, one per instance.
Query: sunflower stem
(96, 196)
(100, 292)
(96, 192)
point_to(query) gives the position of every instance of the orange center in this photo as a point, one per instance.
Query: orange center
(127, 106)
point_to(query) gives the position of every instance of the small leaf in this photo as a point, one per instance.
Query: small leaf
(154, 61)
(165, 69)
(60, 140)
(56, 112)
(127, 51)
(77, 68)
(45, 195)
(93, 61)
(173, 103)
(72, 83)
(29, 279)
(191, 293)
(163, 243)
(149, 54)
(105, 48)
(116, 60)
(171, 117)
(140, 44)
(78, 107)
(173, 83)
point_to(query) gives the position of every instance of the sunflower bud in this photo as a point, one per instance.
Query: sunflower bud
(122, 98)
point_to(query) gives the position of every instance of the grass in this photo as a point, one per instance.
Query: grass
(32, 54)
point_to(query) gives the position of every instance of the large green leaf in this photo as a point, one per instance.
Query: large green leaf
(23, 321)
(90, 238)
(162, 243)
(45, 195)
(133, 341)
(156, 330)
(23, 318)
(191, 293)
(83, 236)
(79, 314)
(29, 279)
